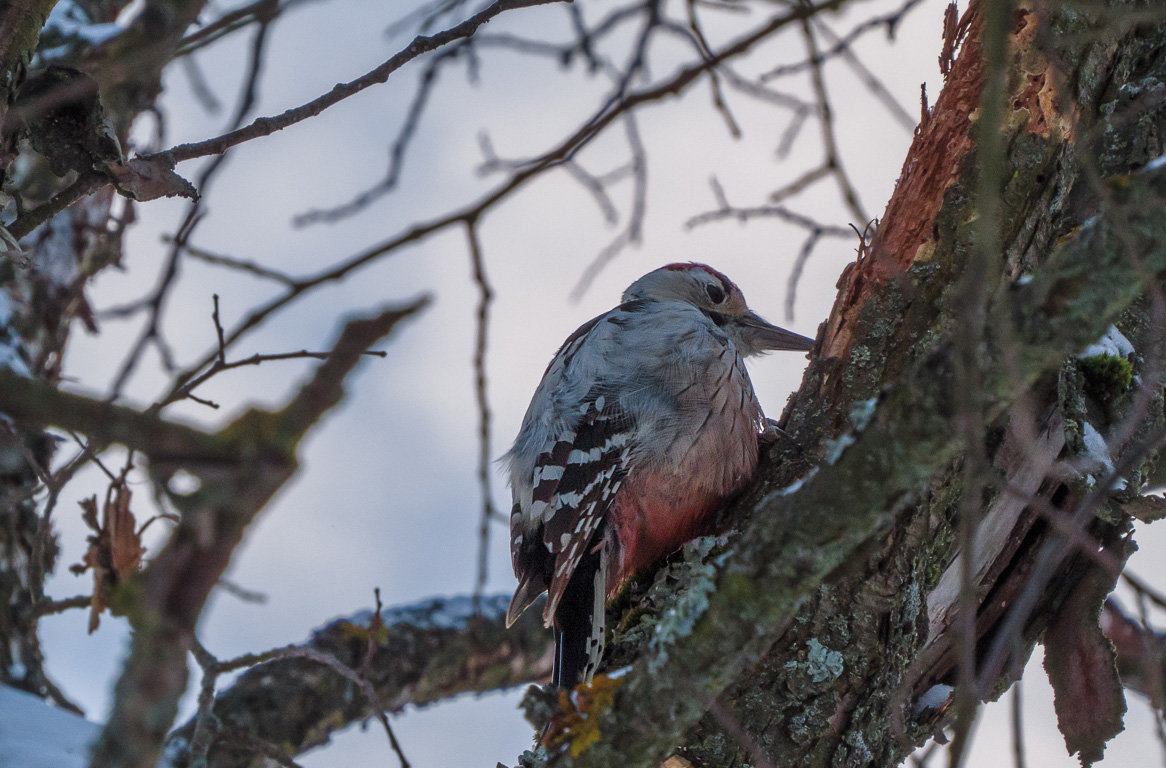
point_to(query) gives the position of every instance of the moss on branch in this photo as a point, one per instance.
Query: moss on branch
(779, 561)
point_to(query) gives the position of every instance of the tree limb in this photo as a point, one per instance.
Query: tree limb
(420, 655)
(165, 600)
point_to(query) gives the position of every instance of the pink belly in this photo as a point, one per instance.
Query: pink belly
(654, 517)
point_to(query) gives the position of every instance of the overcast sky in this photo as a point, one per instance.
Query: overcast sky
(388, 495)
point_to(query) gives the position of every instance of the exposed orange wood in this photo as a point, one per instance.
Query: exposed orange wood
(934, 161)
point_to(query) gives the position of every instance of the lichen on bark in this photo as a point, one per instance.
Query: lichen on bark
(1065, 274)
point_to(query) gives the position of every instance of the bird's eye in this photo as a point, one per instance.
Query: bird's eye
(715, 293)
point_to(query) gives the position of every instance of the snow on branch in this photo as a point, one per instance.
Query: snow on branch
(295, 697)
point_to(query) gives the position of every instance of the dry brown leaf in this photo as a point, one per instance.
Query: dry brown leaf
(115, 548)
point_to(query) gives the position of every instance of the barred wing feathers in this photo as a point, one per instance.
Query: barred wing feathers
(572, 487)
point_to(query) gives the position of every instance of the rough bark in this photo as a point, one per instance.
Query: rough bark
(20, 26)
(810, 637)
(836, 605)
(418, 655)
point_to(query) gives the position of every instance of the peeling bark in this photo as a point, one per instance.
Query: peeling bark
(818, 642)
(832, 612)
(20, 26)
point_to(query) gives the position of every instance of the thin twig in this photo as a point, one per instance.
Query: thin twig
(405, 134)
(219, 331)
(971, 301)
(485, 296)
(567, 148)
(204, 725)
(596, 187)
(727, 211)
(833, 158)
(1063, 524)
(870, 80)
(696, 33)
(257, 359)
(1142, 588)
(155, 304)
(49, 607)
(151, 332)
(228, 23)
(242, 739)
(1155, 675)
(30, 220)
(242, 593)
(199, 87)
(795, 272)
(800, 184)
(231, 262)
(357, 679)
(421, 44)
(889, 22)
(633, 231)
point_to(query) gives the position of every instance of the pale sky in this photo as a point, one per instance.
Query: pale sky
(388, 495)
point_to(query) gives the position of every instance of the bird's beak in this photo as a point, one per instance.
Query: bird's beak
(761, 336)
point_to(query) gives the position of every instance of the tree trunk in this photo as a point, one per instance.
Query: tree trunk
(865, 549)
(819, 634)
(945, 391)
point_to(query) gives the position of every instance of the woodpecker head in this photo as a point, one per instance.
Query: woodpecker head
(718, 297)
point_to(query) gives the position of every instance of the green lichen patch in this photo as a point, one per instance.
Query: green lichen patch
(533, 758)
(695, 574)
(821, 664)
(364, 633)
(1106, 376)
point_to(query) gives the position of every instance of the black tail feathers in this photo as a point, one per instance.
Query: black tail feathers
(579, 621)
(573, 624)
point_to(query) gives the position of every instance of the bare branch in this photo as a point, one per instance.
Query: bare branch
(420, 45)
(870, 80)
(231, 262)
(151, 331)
(833, 159)
(173, 588)
(408, 130)
(475, 211)
(485, 296)
(727, 211)
(631, 233)
(424, 653)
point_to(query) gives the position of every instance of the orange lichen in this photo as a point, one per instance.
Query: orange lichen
(576, 724)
